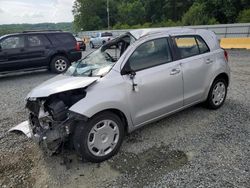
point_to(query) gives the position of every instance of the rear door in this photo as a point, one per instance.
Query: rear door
(195, 65)
(13, 53)
(38, 48)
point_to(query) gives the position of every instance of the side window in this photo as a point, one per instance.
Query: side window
(37, 40)
(202, 45)
(150, 54)
(187, 46)
(13, 42)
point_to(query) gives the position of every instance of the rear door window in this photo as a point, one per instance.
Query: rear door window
(37, 40)
(187, 46)
(150, 54)
(202, 45)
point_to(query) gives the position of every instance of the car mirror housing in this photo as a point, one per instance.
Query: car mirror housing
(127, 70)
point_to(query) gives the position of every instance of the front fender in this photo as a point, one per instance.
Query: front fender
(100, 99)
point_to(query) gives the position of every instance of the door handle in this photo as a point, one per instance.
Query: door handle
(208, 61)
(175, 71)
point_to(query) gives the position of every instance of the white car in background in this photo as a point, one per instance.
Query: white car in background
(100, 39)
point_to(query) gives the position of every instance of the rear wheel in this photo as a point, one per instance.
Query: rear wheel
(217, 94)
(59, 64)
(100, 138)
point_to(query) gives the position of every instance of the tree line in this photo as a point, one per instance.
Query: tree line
(15, 28)
(125, 14)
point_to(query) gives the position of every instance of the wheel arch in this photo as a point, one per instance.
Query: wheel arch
(119, 113)
(222, 75)
(58, 54)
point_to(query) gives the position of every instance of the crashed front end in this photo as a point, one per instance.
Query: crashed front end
(50, 120)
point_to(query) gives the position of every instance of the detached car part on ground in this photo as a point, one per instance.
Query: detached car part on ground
(154, 73)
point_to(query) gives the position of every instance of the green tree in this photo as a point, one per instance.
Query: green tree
(244, 16)
(224, 11)
(197, 15)
(131, 13)
(89, 14)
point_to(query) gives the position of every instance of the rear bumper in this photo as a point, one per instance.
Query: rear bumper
(75, 56)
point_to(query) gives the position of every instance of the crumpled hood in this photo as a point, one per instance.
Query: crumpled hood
(59, 84)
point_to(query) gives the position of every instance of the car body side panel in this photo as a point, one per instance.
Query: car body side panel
(157, 92)
(219, 66)
(196, 73)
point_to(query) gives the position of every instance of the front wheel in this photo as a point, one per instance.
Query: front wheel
(100, 138)
(217, 94)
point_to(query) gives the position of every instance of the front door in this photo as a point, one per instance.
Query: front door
(158, 85)
(14, 53)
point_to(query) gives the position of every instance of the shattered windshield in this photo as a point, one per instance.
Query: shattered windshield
(101, 61)
(97, 63)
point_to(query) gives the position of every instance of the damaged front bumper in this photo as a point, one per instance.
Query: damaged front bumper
(48, 139)
(49, 125)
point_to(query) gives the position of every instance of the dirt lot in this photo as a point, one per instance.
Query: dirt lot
(194, 148)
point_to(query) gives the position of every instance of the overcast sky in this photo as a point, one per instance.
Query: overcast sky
(35, 11)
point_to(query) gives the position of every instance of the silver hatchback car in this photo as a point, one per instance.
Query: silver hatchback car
(135, 79)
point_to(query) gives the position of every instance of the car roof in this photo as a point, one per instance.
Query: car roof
(207, 35)
(138, 33)
(34, 32)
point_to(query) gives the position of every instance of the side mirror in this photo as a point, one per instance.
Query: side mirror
(0, 48)
(128, 71)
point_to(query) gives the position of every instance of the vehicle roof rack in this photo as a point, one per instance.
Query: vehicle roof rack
(47, 30)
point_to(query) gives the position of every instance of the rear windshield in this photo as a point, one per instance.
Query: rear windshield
(107, 34)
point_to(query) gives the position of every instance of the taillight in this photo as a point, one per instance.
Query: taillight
(226, 55)
(78, 46)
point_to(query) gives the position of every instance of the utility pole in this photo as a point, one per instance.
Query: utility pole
(108, 14)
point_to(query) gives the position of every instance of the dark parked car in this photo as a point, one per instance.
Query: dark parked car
(55, 50)
(81, 43)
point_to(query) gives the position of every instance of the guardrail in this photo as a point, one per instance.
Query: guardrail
(222, 30)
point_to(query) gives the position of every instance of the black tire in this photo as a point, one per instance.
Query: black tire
(210, 104)
(91, 45)
(83, 131)
(64, 64)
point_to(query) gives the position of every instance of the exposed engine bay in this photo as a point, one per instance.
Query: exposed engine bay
(50, 120)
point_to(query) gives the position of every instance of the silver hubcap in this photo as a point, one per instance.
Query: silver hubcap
(103, 138)
(60, 65)
(219, 93)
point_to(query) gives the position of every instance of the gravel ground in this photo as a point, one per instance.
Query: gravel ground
(194, 148)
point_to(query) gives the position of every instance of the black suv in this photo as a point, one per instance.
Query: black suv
(55, 50)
